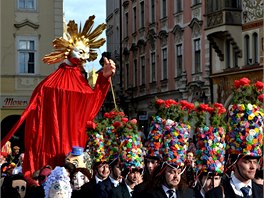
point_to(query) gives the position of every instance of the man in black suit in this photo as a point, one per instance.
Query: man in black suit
(101, 172)
(166, 182)
(241, 183)
(125, 189)
(114, 179)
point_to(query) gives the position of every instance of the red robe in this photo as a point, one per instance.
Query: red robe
(56, 116)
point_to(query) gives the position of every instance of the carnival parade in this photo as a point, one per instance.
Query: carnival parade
(191, 150)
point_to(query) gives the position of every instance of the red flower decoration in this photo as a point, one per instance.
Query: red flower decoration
(261, 98)
(244, 82)
(91, 125)
(160, 102)
(259, 85)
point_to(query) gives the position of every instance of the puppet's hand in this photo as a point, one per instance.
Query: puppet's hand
(109, 67)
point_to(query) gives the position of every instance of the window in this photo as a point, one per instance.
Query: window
(178, 6)
(246, 50)
(135, 19)
(153, 67)
(179, 59)
(142, 14)
(143, 72)
(213, 5)
(127, 75)
(26, 49)
(164, 8)
(194, 2)
(255, 47)
(232, 4)
(197, 55)
(164, 63)
(152, 11)
(27, 4)
(126, 25)
(228, 51)
(135, 72)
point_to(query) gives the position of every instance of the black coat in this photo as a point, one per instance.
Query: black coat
(89, 189)
(103, 188)
(159, 193)
(257, 191)
(120, 191)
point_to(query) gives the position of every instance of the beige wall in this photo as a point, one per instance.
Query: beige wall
(45, 23)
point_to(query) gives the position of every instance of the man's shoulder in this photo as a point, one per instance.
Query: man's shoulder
(257, 188)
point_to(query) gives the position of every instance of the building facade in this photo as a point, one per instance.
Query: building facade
(189, 49)
(164, 50)
(28, 28)
(235, 33)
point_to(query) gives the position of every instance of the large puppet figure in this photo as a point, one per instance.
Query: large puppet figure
(63, 102)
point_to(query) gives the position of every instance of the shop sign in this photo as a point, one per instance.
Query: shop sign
(14, 102)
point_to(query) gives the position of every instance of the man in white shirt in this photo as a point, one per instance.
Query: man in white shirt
(241, 183)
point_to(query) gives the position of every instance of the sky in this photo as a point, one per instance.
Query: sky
(79, 11)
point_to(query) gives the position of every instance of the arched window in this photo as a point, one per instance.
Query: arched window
(255, 47)
(246, 50)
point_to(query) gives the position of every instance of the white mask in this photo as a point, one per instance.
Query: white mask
(59, 190)
(21, 186)
(78, 180)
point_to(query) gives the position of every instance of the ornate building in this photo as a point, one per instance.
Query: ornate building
(163, 52)
(235, 32)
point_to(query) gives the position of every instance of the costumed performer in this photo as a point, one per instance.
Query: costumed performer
(62, 103)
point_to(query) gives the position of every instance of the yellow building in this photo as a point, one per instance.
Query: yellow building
(28, 28)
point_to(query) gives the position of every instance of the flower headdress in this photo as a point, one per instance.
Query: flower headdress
(215, 113)
(85, 39)
(131, 153)
(245, 119)
(175, 143)
(210, 150)
(154, 139)
(171, 109)
(244, 92)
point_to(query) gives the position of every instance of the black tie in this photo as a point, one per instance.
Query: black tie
(171, 193)
(245, 191)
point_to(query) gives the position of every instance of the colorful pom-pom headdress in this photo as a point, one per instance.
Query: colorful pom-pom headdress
(210, 150)
(154, 140)
(245, 133)
(131, 153)
(175, 143)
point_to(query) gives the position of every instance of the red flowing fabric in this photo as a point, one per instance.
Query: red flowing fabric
(56, 117)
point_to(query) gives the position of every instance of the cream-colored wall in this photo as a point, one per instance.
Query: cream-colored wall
(48, 19)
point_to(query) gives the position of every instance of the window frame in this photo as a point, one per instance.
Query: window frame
(164, 61)
(34, 8)
(153, 66)
(179, 59)
(197, 55)
(34, 51)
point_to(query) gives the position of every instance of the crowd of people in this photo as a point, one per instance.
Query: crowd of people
(83, 176)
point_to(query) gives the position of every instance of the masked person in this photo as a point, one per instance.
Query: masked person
(78, 178)
(58, 184)
(62, 103)
(14, 186)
